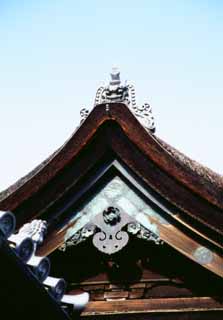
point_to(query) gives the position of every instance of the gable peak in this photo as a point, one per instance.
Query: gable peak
(117, 91)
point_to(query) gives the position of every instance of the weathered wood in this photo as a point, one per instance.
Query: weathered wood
(98, 296)
(152, 306)
(116, 295)
(136, 293)
(169, 233)
(167, 291)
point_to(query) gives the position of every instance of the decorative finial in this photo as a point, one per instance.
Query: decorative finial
(116, 91)
(115, 77)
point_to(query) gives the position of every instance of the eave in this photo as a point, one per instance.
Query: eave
(197, 193)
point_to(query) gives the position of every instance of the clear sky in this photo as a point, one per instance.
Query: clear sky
(54, 54)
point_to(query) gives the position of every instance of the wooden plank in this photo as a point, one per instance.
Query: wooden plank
(152, 306)
(162, 291)
(97, 296)
(116, 294)
(187, 246)
(136, 293)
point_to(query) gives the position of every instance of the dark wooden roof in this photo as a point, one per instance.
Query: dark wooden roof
(209, 178)
(192, 188)
(191, 193)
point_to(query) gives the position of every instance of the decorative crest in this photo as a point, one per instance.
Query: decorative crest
(116, 91)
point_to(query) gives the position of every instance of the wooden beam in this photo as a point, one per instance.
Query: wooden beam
(188, 246)
(152, 306)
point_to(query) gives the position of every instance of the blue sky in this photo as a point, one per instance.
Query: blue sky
(54, 54)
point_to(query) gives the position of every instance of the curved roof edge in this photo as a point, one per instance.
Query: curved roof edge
(200, 180)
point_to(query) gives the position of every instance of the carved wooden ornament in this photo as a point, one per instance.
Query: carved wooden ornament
(111, 238)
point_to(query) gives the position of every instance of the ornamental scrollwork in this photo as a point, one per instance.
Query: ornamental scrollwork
(145, 116)
(78, 237)
(110, 232)
(83, 114)
(116, 91)
(111, 237)
(140, 232)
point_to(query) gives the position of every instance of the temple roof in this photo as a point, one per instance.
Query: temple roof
(197, 179)
(118, 135)
(117, 102)
(112, 190)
